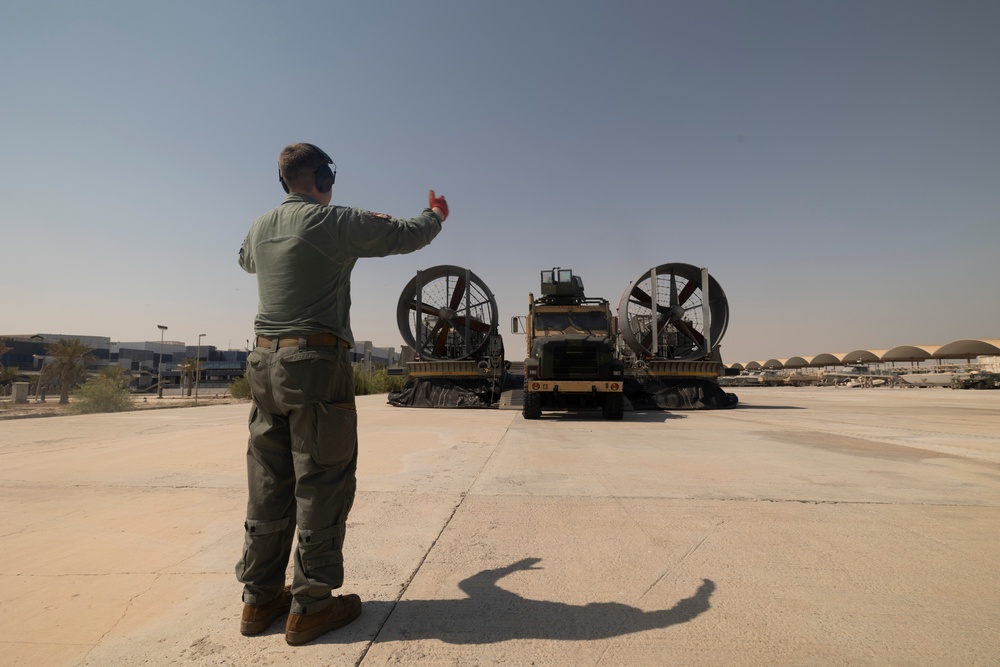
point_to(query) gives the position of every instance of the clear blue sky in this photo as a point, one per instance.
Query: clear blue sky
(835, 165)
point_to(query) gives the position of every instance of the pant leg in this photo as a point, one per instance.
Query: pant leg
(325, 495)
(324, 446)
(270, 522)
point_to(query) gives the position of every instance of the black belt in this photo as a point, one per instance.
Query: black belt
(309, 340)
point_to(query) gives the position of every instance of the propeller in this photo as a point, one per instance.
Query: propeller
(679, 330)
(462, 308)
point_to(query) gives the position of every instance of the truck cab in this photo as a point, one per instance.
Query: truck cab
(571, 360)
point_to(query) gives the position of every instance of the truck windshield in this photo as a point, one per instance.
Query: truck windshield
(581, 322)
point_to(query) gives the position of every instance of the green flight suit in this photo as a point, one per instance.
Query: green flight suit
(303, 451)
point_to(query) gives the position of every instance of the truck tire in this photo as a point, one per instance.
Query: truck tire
(613, 408)
(532, 405)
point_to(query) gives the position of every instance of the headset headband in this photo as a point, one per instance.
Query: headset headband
(321, 153)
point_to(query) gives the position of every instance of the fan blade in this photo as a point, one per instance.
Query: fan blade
(687, 292)
(442, 340)
(648, 340)
(643, 299)
(425, 308)
(456, 296)
(474, 324)
(673, 289)
(425, 343)
(688, 331)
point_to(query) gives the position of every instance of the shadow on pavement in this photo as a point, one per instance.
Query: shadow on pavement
(641, 415)
(746, 406)
(491, 614)
(652, 416)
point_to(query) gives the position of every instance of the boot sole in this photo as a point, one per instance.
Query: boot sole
(305, 636)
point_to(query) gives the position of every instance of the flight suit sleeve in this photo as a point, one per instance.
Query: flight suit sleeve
(369, 234)
(246, 256)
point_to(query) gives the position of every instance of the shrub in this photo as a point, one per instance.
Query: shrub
(377, 382)
(104, 393)
(240, 388)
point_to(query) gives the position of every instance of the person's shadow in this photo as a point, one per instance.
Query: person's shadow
(491, 614)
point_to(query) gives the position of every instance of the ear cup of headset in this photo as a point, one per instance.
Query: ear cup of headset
(325, 178)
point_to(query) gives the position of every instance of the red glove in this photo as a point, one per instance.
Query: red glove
(438, 202)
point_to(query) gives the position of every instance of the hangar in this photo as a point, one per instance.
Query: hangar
(962, 350)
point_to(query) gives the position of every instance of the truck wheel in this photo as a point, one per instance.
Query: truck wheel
(613, 408)
(532, 405)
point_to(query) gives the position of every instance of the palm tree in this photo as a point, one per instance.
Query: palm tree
(69, 362)
(189, 367)
(3, 371)
(8, 376)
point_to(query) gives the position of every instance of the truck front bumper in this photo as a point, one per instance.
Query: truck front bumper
(574, 386)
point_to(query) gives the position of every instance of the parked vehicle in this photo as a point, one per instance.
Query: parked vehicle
(978, 380)
(570, 344)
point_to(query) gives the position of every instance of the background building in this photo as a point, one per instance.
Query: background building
(28, 353)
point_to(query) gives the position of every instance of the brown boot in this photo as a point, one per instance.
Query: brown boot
(258, 617)
(302, 628)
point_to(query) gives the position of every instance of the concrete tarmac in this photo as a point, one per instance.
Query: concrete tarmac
(808, 526)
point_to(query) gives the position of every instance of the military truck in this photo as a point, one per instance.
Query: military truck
(571, 358)
(977, 380)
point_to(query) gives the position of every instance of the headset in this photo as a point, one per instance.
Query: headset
(325, 177)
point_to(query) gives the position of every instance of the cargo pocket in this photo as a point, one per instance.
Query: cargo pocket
(256, 374)
(336, 433)
(262, 539)
(322, 548)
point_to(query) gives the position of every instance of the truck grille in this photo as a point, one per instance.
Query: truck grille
(572, 359)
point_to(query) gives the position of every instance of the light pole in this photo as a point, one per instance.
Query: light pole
(159, 366)
(39, 390)
(197, 368)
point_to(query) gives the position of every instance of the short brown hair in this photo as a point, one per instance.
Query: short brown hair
(298, 164)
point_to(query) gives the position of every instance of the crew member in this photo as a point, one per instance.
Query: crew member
(303, 445)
